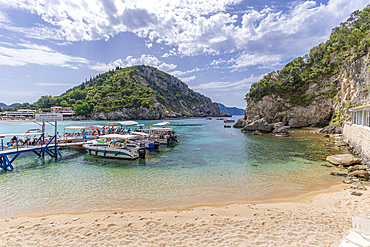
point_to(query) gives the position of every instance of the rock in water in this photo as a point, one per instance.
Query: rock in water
(342, 159)
(356, 168)
(280, 131)
(360, 174)
(260, 125)
(256, 133)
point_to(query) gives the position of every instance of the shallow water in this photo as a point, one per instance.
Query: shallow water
(210, 164)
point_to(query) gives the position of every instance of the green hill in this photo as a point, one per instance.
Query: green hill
(351, 40)
(141, 92)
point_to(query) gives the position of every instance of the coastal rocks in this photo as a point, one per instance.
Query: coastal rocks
(342, 159)
(241, 123)
(360, 174)
(355, 193)
(276, 109)
(357, 168)
(280, 130)
(332, 130)
(256, 133)
(261, 125)
(357, 186)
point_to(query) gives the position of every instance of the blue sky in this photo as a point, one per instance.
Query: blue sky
(218, 47)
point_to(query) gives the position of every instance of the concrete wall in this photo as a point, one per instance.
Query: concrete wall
(358, 137)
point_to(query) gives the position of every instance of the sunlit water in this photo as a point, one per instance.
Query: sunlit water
(210, 164)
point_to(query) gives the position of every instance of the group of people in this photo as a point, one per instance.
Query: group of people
(21, 141)
(98, 132)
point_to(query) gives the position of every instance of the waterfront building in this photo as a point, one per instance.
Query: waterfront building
(357, 132)
(67, 112)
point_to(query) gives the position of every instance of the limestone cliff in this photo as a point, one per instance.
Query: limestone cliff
(352, 87)
(318, 89)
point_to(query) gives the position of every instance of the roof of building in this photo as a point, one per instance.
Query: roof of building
(360, 108)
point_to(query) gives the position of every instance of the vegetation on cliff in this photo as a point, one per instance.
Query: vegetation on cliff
(131, 87)
(350, 40)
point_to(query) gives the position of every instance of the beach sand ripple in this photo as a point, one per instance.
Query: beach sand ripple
(315, 220)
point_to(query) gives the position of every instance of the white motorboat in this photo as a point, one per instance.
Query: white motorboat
(228, 120)
(161, 135)
(115, 146)
(144, 139)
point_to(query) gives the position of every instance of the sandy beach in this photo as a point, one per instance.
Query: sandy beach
(317, 219)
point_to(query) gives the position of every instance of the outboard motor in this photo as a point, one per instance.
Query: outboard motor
(142, 145)
(156, 145)
(141, 152)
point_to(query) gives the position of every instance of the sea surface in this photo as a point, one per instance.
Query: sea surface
(210, 164)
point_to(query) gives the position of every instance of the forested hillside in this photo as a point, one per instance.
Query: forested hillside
(350, 40)
(139, 89)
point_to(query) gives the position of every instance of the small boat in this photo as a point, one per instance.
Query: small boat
(161, 135)
(76, 134)
(143, 138)
(227, 126)
(115, 146)
(208, 118)
(229, 120)
(162, 124)
(220, 118)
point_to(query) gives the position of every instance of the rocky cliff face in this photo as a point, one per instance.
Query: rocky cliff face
(174, 99)
(350, 87)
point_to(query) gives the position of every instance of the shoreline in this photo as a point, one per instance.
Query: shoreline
(304, 198)
(320, 218)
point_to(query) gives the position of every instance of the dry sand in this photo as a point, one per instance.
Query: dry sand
(318, 219)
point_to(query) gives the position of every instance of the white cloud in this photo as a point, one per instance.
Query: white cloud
(187, 79)
(193, 27)
(227, 86)
(145, 59)
(178, 73)
(26, 53)
(50, 84)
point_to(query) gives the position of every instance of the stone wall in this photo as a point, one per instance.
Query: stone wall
(358, 137)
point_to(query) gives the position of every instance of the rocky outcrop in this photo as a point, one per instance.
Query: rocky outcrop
(352, 84)
(332, 129)
(342, 159)
(261, 125)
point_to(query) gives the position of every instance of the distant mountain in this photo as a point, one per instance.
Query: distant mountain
(5, 105)
(231, 110)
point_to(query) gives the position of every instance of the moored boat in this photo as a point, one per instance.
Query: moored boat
(228, 120)
(115, 146)
(163, 136)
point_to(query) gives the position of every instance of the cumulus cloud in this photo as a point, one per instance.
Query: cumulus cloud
(178, 73)
(193, 27)
(26, 53)
(187, 79)
(228, 86)
(145, 59)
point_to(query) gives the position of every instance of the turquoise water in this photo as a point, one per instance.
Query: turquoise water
(210, 164)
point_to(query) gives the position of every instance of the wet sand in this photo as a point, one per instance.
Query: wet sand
(316, 219)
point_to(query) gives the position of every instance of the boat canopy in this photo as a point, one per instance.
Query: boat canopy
(123, 123)
(140, 133)
(161, 124)
(156, 129)
(117, 136)
(76, 127)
